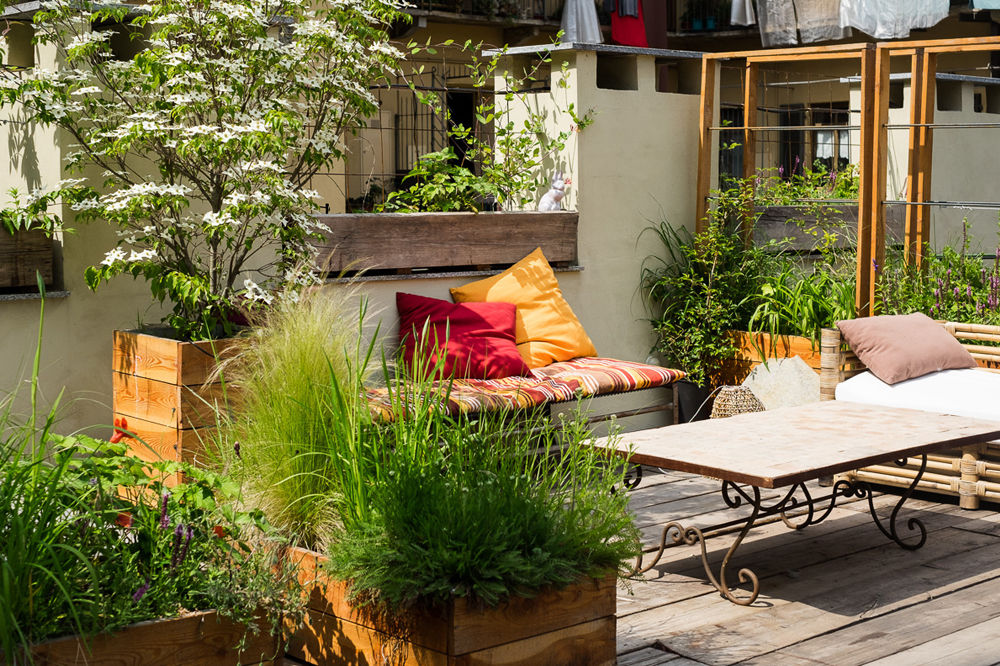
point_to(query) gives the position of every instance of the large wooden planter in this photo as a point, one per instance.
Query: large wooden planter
(575, 625)
(161, 388)
(22, 255)
(750, 345)
(198, 639)
(402, 242)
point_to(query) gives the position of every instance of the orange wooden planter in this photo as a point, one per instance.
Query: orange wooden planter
(575, 625)
(748, 357)
(198, 639)
(160, 388)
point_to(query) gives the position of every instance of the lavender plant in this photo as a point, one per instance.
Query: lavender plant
(201, 147)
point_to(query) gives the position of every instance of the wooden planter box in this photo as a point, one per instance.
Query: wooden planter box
(575, 625)
(22, 255)
(198, 639)
(748, 357)
(773, 224)
(401, 242)
(160, 386)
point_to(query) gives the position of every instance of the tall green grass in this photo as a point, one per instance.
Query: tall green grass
(422, 506)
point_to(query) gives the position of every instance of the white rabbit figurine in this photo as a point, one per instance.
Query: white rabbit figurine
(552, 200)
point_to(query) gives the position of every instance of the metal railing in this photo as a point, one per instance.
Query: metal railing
(541, 10)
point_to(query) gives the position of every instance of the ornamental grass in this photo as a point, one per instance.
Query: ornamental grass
(424, 506)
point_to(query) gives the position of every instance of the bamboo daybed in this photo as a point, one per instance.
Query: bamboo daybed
(972, 475)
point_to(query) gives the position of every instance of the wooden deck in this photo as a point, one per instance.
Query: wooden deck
(834, 593)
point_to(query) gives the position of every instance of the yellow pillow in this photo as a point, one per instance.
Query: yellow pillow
(547, 330)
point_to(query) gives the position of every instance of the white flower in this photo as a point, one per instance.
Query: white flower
(112, 256)
(252, 292)
(142, 256)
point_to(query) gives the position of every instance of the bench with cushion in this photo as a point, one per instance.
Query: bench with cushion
(972, 474)
(563, 381)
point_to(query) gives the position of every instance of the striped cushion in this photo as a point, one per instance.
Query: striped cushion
(558, 382)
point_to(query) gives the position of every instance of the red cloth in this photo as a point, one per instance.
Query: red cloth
(628, 30)
(468, 340)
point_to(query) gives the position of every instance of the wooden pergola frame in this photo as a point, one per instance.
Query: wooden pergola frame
(874, 68)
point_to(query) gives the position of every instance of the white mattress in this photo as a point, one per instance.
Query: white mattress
(966, 392)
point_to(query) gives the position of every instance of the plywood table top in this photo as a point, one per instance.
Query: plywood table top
(785, 446)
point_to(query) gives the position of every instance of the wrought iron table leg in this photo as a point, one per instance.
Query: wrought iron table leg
(913, 524)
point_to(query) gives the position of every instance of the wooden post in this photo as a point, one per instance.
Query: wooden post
(913, 160)
(929, 91)
(880, 150)
(749, 142)
(709, 77)
(865, 161)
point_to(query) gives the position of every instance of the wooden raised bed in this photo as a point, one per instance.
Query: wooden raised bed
(404, 241)
(22, 255)
(575, 625)
(161, 388)
(198, 639)
(748, 357)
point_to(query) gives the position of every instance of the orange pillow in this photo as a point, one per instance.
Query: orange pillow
(547, 330)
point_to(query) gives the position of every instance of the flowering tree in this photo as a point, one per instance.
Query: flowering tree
(207, 139)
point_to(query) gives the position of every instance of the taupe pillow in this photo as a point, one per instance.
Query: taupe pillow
(900, 347)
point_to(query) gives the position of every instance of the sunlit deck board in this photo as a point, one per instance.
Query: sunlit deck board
(834, 593)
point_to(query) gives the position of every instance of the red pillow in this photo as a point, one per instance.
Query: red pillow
(471, 340)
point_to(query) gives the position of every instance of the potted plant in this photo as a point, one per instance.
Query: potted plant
(102, 561)
(703, 286)
(205, 162)
(435, 536)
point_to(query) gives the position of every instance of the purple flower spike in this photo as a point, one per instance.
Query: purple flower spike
(956, 290)
(781, 171)
(968, 290)
(236, 448)
(164, 518)
(175, 552)
(187, 543)
(140, 592)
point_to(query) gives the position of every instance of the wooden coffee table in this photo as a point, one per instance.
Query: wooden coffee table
(785, 448)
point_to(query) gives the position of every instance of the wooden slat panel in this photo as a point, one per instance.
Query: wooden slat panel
(21, 255)
(425, 628)
(166, 404)
(200, 639)
(785, 346)
(588, 644)
(426, 240)
(328, 640)
(479, 628)
(156, 441)
(167, 360)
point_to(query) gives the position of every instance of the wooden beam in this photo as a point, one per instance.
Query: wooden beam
(880, 150)
(865, 162)
(749, 141)
(797, 57)
(929, 90)
(917, 98)
(709, 81)
(792, 52)
(959, 45)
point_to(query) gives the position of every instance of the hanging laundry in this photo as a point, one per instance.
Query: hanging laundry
(777, 22)
(819, 20)
(579, 23)
(628, 30)
(622, 7)
(891, 19)
(741, 13)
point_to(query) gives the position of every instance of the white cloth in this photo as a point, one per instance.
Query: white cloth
(741, 13)
(966, 392)
(819, 20)
(891, 19)
(777, 22)
(579, 22)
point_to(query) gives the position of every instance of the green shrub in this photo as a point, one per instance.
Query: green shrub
(422, 506)
(90, 543)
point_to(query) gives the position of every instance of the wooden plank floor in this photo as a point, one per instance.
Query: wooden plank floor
(834, 593)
